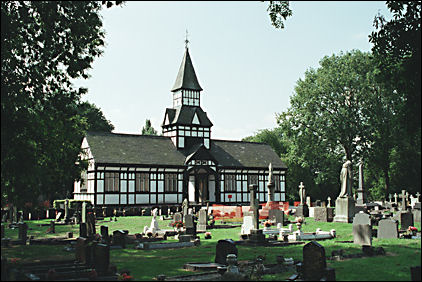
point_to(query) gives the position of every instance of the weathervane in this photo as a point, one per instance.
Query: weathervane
(186, 40)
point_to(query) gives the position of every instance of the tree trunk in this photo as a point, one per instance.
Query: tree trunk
(387, 181)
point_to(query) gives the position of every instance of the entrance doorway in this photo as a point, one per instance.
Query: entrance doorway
(201, 188)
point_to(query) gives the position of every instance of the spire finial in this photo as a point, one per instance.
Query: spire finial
(186, 40)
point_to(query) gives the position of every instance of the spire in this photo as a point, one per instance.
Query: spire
(186, 78)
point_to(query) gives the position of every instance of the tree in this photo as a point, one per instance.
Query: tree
(148, 129)
(397, 49)
(43, 46)
(278, 12)
(94, 118)
(269, 137)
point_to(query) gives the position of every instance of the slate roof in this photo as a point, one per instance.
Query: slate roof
(186, 77)
(183, 115)
(116, 148)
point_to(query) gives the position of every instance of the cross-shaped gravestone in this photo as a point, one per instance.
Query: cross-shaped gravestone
(403, 199)
(329, 201)
(395, 198)
(417, 197)
(390, 197)
(301, 192)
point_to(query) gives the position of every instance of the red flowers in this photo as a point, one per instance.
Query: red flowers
(177, 224)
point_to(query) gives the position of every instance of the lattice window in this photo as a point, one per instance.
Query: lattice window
(170, 182)
(111, 182)
(142, 182)
(230, 183)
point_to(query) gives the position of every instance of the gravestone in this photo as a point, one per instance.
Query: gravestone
(23, 231)
(277, 215)
(403, 197)
(119, 238)
(164, 210)
(83, 217)
(254, 205)
(362, 218)
(308, 201)
(362, 234)
(83, 230)
(185, 207)
(178, 217)
(323, 214)
(247, 225)
(81, 249)
(202, 225)
(59, 214)
(302, 209)
(314, 261)
(361, 198)
(90, 221)
(66, 211)
(406, 220)
(190, 225)
(224, 248)
(417, 212)
(388, 228)
(104, 234)
(101, 258)
(52, 226)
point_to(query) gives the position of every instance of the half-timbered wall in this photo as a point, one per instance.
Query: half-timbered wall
(85, 189)
(179, 133)
(138, 186)
(234, 185)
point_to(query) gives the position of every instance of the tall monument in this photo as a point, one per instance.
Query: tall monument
(345, 204)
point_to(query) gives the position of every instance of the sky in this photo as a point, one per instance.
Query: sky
(247, 68)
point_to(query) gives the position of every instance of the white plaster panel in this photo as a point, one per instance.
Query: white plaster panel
(100, 185)
(191, 188)
(160, 186)
(111, 199)
(123, 186)
(131, 186)
(160, 199)
(142, 199)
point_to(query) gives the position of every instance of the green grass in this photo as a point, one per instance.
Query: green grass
(145, 265)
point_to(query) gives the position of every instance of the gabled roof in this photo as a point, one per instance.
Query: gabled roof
(186, 78)
(183, 115)
(244, 154)
(115, 148)
(131, 149)
(200, 153)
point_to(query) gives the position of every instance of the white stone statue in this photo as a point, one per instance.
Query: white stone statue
(270, 175)
(302, 194)
(346, 179)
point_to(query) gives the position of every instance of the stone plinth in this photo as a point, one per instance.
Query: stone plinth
(345, 210)
(302, 210)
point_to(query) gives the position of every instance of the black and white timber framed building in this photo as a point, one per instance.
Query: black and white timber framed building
(139, 170)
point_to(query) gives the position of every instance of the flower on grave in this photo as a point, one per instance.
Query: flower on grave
(177, 224)
(299, 219)
(412, 228)
(97, 237)
(207, 235)
(93, 275)
(125, 277)
(267, 223)
(14, 260)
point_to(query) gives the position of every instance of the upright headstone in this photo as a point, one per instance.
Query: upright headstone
(314, 261)
(22, 231)
(270, 185)
(277, 215)
(406, 220)
(388, 228)
(52, 226)
(254, 205)
(417, 212)
(119, 238)
(66, 211)
(329, 202)
(247, 225)
(164, 210)
(104, 234)
(395, 199)
(224, 248)
(323, 214)
(362, 218)
(178, 217)
(190, 225)
(308, 201)
(81, 250)
(90, 224)
(302, 209)
(390, 197)
(361, 198)
(185, 207)
(83, 230)
(362, 229)
(101, 258)
(83, 218)
(202, 225)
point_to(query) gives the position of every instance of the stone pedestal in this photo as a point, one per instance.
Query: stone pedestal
(302, 210)
(345, 210)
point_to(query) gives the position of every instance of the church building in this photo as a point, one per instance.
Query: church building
(129, 170)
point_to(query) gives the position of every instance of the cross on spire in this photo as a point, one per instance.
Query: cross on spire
(186, 40)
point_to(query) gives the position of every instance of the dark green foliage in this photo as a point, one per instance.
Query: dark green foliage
(278, 11)
(148, 129)
(43, 46)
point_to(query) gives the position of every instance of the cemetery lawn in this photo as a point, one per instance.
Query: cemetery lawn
(147, 264)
